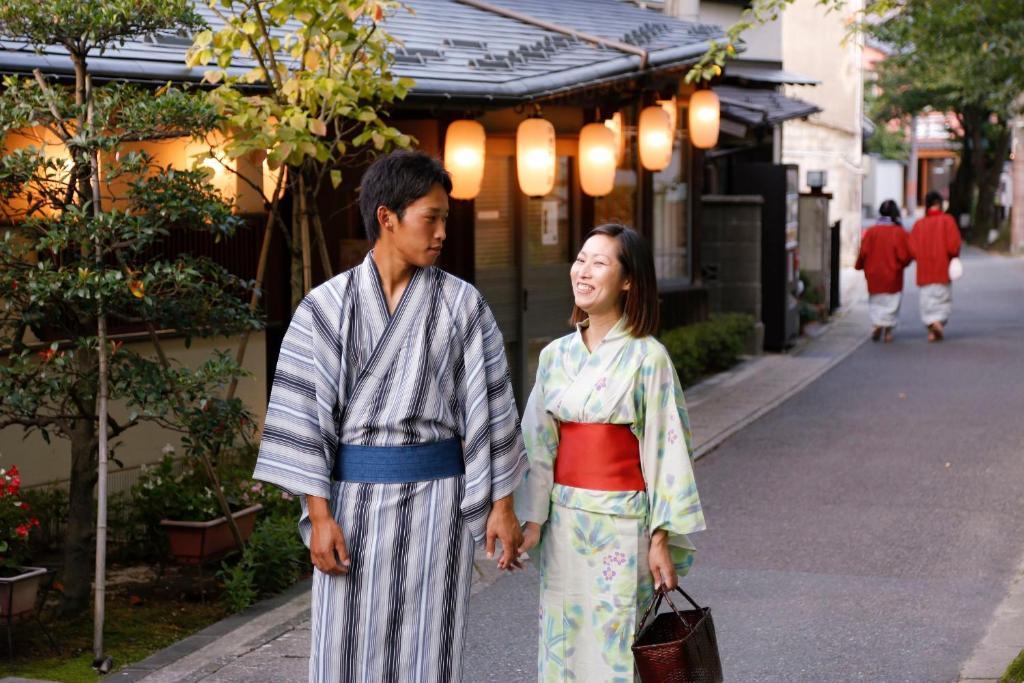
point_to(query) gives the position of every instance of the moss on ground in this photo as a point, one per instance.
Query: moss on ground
(135, 628)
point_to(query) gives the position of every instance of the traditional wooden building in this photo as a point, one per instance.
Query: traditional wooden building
(499, 63)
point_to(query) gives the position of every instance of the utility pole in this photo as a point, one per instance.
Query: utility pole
(912, 170)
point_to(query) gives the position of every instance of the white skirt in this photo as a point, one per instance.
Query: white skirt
(884, 309)
(936, 303)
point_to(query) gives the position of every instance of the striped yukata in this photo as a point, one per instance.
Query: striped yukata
(350, 373)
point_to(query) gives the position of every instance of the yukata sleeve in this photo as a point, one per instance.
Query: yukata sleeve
(540, 433)
(665, 455)
(953, 241)
(508, 457)
(865, 248)
(903, 249)
(291, 448)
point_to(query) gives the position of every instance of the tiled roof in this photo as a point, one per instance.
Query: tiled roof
(453, 50)
(759, 107)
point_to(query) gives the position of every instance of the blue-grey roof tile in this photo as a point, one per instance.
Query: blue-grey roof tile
(452, 50)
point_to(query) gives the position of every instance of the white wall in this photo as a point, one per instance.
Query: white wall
(40, 462)
(830, 140)
(884, 180)
(761, 43)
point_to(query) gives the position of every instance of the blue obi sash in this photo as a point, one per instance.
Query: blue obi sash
(399, 464)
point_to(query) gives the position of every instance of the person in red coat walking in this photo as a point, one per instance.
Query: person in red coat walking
(884, 254)
(934, 242)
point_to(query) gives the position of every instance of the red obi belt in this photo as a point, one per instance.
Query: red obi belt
(600, 457)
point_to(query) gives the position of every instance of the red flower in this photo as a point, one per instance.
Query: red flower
(24, 506)
(13, 471)
(14, 284)
(34, 522)
(22, 530)
(47, 355)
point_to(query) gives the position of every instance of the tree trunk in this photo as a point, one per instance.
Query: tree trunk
(988, 182)
(961, 190)
(78, 558)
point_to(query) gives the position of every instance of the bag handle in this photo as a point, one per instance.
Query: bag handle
(656, 603)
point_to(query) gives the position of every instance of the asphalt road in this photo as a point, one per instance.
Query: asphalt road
(864, 530)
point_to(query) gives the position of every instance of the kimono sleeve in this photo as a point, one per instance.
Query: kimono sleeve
(665, 457)
(540, 433)
(292, 448)
(508, 457)
(903, 248)
(865, 250)
(953, 241)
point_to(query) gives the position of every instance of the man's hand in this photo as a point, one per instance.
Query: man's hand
(327, 546)
(660, 560)
(531, 537)
(503, 525)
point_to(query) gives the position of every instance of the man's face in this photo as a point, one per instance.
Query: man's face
(419, 235)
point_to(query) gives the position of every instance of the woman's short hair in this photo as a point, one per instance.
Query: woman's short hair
(640, 305)
(395, 181)
(890, 209)
(931, 199)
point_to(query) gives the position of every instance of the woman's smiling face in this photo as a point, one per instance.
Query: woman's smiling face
(597, 276)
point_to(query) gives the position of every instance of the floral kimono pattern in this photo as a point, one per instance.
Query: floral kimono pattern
(594, 544)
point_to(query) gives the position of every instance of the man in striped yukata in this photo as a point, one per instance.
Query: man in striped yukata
(392, 415)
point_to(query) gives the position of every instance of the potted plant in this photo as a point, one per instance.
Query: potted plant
(19, 584)
(185, 508)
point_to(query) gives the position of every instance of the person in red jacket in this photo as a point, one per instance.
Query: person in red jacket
(884, 253)
(934, 242)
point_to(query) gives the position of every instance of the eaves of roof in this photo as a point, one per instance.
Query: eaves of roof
(479, 56)
(760, 107)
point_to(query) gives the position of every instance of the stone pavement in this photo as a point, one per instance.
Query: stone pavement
(270, 642)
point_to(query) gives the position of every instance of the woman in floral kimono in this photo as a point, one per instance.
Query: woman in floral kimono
(610, 495)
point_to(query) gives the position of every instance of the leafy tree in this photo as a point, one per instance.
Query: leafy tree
(963, 58)
(82, 254)
(314, 100)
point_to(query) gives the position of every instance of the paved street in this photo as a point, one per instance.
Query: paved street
(867, 528)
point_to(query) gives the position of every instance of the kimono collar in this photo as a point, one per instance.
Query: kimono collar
(376, 284)
(618, 331)
(933, 212)
(885, 220)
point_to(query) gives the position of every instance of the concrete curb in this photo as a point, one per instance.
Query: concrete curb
(208, 650)
(1003, 640)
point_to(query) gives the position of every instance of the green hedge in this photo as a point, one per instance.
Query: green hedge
(708, 347)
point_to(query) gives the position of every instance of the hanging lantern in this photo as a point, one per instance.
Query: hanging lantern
(597, 159)
(614, 124)
(535, 157)
(655, 138)
(704, 114)
(464, 157)
(670, 106)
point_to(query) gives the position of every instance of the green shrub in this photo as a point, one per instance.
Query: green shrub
(708, 347)
(273, 559)
(1015, 672)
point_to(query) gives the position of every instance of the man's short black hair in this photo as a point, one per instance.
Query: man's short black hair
(932, 199)
(395, 181)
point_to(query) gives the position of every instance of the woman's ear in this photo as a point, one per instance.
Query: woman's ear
(626, 285)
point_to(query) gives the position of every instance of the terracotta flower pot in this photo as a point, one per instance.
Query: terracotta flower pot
(18, 592)
(197, 542)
